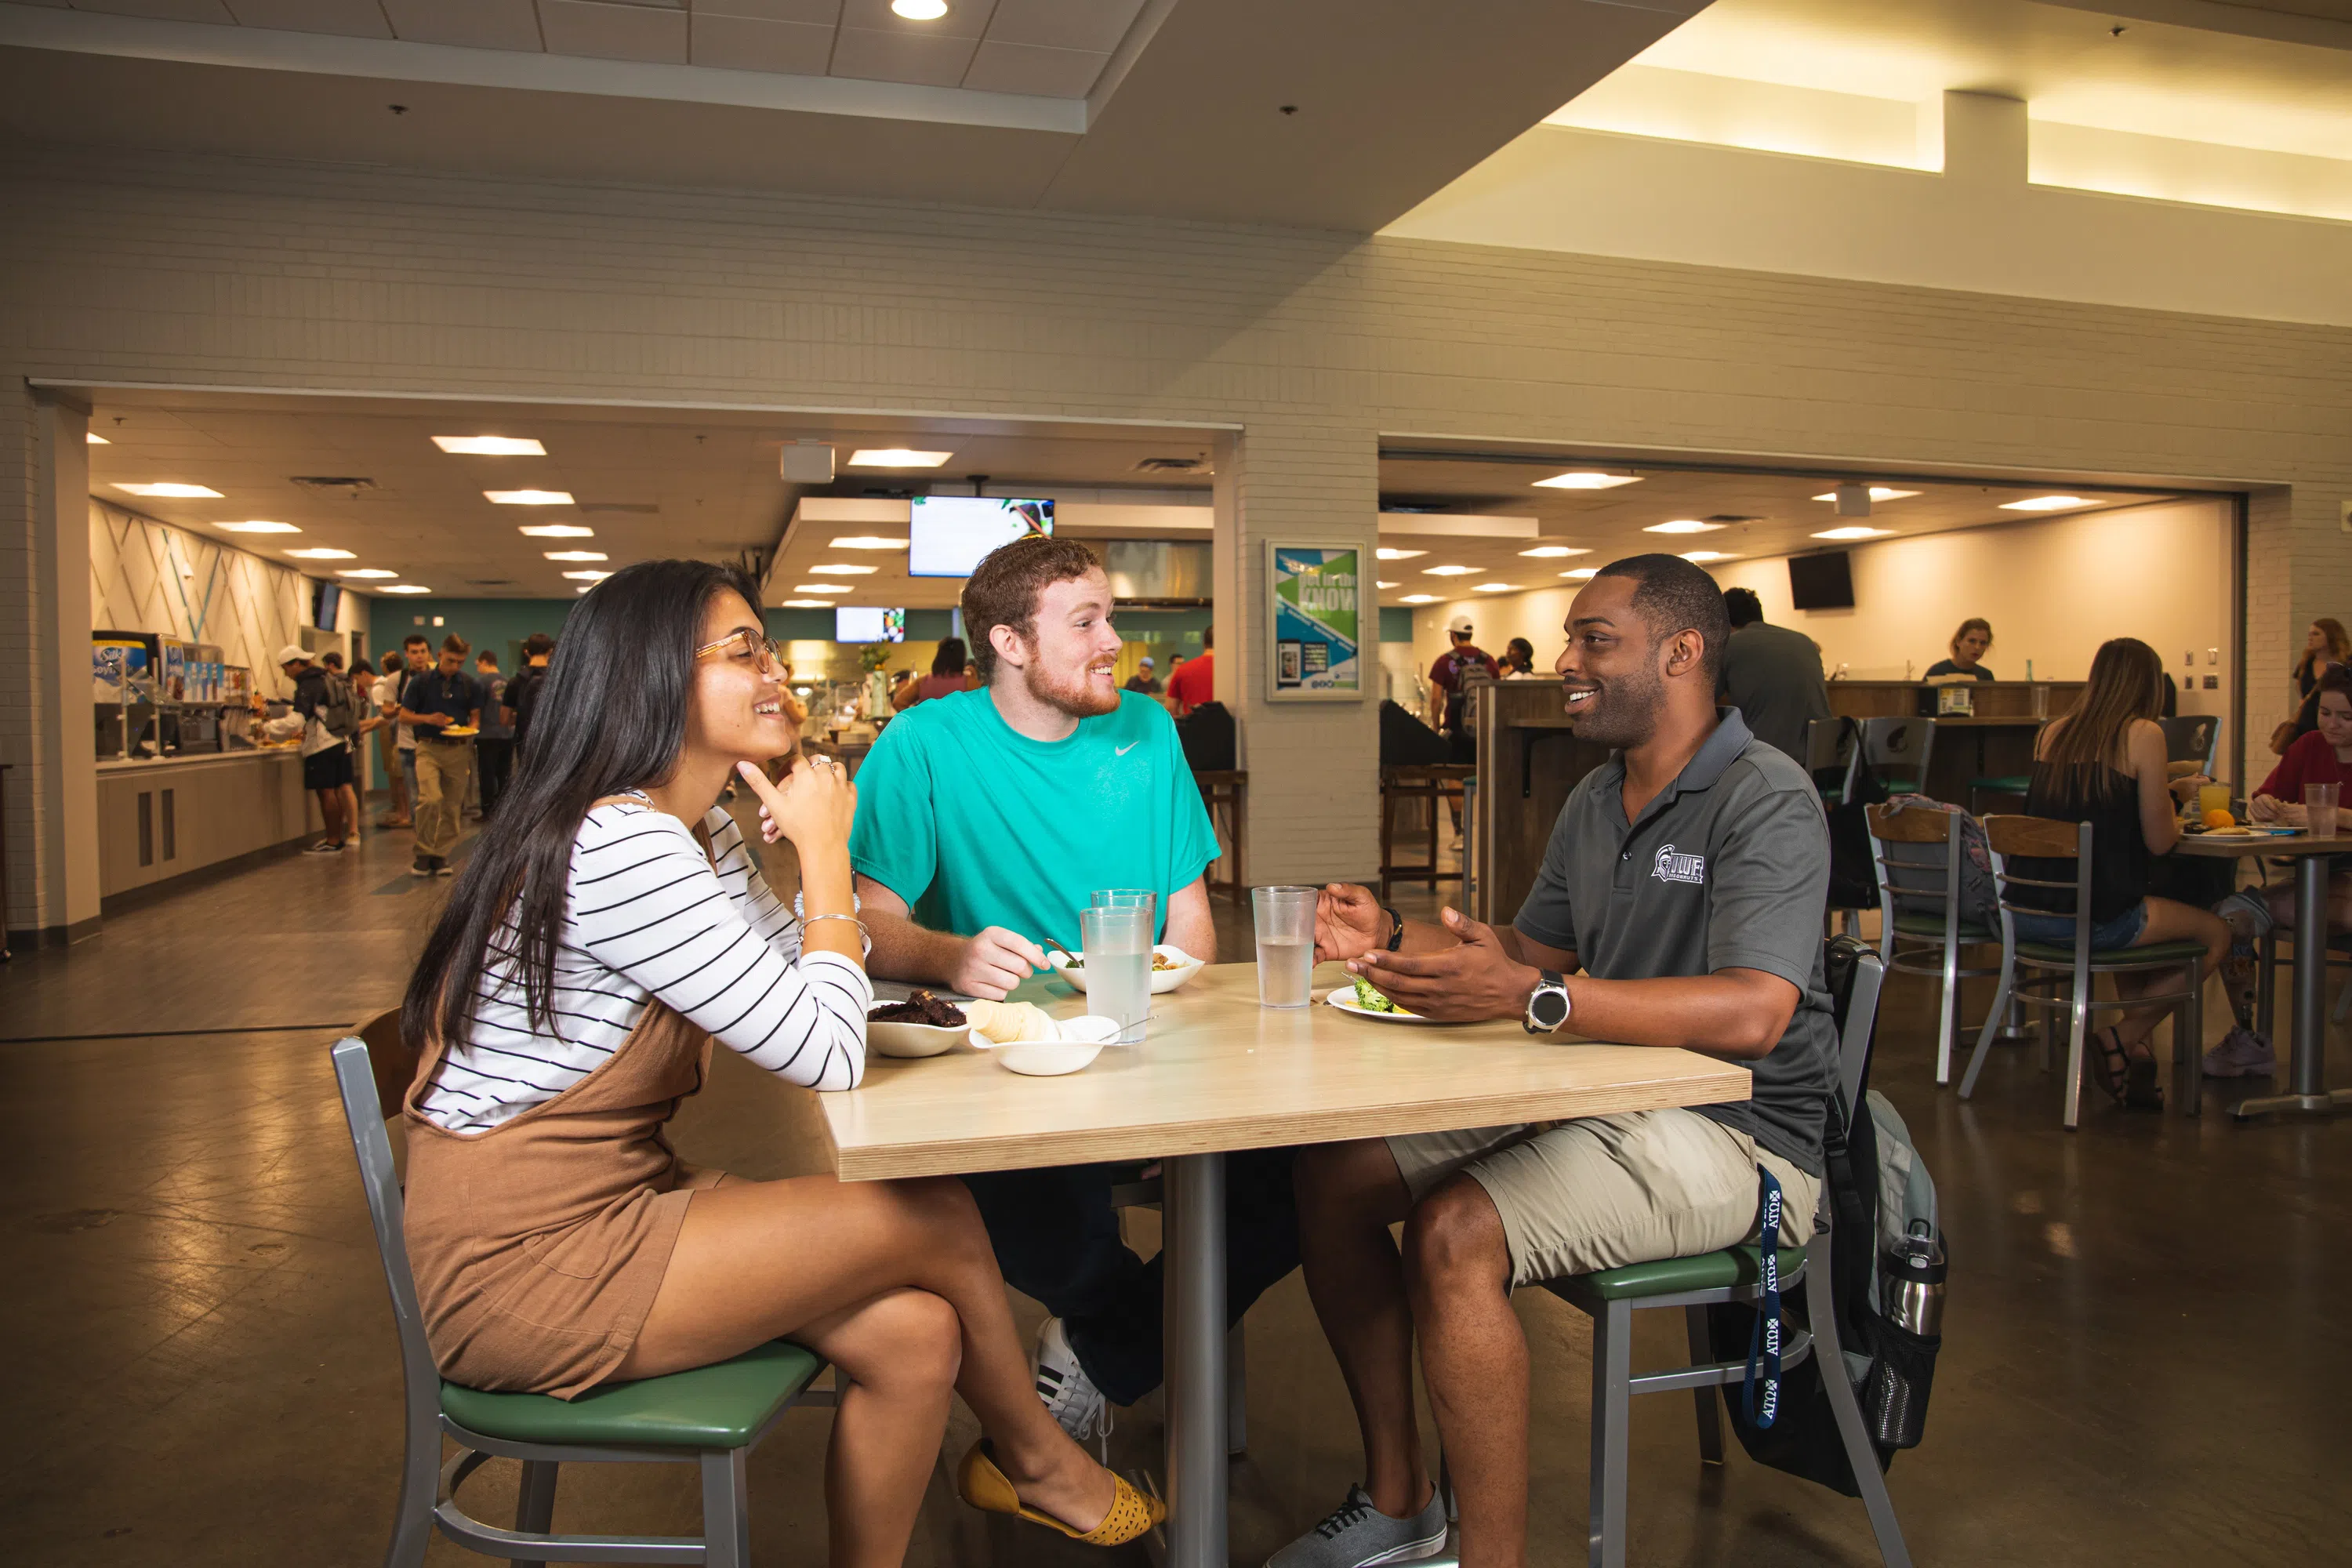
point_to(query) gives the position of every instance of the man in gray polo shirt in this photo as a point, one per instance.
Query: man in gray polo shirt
(1772, 675)
(1679, 904)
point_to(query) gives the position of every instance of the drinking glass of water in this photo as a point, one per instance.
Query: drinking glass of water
(2319, 805)
(1286, 945)
(1118, 939)
(1143, 898)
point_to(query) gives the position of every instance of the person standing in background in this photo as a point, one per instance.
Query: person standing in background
(1195, 682)
(326, 755)
(416, 654)
(1446, 674)
(522, 691)
(1518, 659)
(361, 679)
(1143, 680)
(2327, 647)
(386, 693)
(949, 668)
(494, 749)
(1772, 675)
(1968, 645)
(433, 703)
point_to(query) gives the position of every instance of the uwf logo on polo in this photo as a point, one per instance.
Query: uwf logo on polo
(1672, 867)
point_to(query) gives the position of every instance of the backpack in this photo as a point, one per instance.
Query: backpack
(1980, 898)
(1880, 1193)
(339, 708)
(1209, 740)
(522, 696)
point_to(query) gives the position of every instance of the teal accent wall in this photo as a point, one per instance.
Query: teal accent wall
(1396, 624)
(498, 624)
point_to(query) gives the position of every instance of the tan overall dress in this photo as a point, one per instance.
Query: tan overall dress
(538, 1245)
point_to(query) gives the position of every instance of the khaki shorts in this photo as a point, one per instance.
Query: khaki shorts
(1603, 1192)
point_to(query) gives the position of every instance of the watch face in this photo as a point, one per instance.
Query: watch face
(1549, 1008)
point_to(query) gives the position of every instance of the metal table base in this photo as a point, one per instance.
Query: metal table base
(2307, 1076)
(1194, 1214)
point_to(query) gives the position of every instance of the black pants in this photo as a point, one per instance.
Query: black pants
(496, 761)
(1056, 1239)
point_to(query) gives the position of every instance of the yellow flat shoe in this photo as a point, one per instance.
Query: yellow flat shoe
(980, 1483)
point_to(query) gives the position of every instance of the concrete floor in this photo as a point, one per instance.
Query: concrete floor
(2140, 1365)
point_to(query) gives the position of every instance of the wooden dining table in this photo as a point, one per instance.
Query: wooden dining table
(1219, 1073)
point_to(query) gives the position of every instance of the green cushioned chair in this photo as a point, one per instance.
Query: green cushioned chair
(712, 1416)
(1613, 1296)
(1917, 854)
(1998, 784)
(2067, 973)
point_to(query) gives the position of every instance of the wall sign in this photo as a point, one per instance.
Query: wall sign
(1315, 615)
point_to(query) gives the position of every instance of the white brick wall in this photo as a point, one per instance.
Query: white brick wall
(236, 274)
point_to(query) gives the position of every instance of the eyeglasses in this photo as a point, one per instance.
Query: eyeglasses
(750, 644)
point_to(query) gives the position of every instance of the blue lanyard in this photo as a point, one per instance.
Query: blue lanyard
(1764, 1343)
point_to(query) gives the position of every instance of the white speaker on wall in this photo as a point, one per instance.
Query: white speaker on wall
(808, 462)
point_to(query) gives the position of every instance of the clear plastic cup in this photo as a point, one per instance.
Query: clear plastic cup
(1117, 941)
(2319, 809)
(1286, 945)
(1124, 898)
(2211, 797)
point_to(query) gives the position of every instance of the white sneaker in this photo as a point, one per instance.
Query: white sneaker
(2250, 909)
(1069, 1393)
(2242, 1053)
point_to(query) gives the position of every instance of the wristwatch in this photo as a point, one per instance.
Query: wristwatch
(1547, 1004)
(1396, 928)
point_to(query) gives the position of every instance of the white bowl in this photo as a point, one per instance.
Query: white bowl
(1082, 1041)
(911, 1039)
(1162, 980)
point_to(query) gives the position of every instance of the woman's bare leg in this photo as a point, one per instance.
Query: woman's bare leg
(896, 1356)
(759, 1261)
(2167, 922)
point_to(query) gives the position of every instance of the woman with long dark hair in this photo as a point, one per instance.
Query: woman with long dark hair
(2104, 763)
(2327, 647)
(609, 927)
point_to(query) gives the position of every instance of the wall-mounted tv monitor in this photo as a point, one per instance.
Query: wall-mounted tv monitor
(326, 600)
(860, 623)
(947, 535)
(1824, 581)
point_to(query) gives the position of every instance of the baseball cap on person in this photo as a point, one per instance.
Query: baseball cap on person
(293, 653)
(1459, 625)
(1145, 662)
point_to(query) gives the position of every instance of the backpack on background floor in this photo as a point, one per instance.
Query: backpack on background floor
(1980, 898)
(339, 710)
(1881, 1197)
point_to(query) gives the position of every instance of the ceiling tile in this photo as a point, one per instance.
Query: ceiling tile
(747, 43)
(164, 10)
(609, 32)
(476, 23)
(1097, 24)
(826, 12)
(351, 18)
(897, 57)
(965, 19)
(1026, 67)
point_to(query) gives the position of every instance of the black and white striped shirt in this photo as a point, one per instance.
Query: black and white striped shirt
(648, 915)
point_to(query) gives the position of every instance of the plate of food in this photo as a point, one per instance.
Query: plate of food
(921, 1026)
(1365, 1001)
(1171, 967)
(459, 731)
(1026, 1040)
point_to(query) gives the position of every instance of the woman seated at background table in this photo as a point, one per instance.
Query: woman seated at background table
(2104, 763)
(1968, 645)
(608, 927)
(949, 672)
(2323, 756)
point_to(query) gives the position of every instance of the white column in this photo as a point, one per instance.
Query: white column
(65, 749)
(1984, 140)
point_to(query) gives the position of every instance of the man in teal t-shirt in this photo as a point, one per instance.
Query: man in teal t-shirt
(986, 820)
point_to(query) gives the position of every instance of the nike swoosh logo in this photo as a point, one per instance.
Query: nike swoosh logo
(1122, 750)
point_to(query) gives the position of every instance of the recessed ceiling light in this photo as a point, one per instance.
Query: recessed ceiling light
(920, 10)
(173, 492)
(834, 569)
(1683, 525)
(590, 576)
(575, 555)
(1855, 531)
(366, 572)
(1497, 588)
(895, 458)
(820, 588)
(256, 526)
(1877, 492)
(1587, 481)
(1583, 573)
(868, 541)
(1704, 555)
(808, 604)
(323, 552)
(404, 588)
(95, 439)
(1388, 584)
(1420, 599)
(557, 530)
(1387, 554)
(490, 446)
(1554, 552)
(1447, 571)
(2034, 503)
(531, 498)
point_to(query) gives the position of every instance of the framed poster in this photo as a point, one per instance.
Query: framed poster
(1313, 615)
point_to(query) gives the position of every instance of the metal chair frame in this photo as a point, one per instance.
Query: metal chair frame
(1886, 743)
(1614, 1382)
(1826, 746)
(2078, 977)
(1938, 957)
(428, 1487)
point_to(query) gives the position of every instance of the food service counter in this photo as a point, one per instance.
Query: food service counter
(1996, 741)
(164, 818)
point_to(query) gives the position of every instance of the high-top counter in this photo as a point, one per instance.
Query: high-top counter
(162, 818)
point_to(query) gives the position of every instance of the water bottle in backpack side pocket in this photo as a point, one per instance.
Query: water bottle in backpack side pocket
(1911, 1294)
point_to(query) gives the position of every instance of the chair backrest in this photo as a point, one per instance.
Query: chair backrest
(1898, 743)
(1919, 856)
(1856, 974)
(2191, 737)
(2041, 837)
(1826, 744)
(356, 1075)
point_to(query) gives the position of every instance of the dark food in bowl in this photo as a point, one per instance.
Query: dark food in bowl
(919, 1007)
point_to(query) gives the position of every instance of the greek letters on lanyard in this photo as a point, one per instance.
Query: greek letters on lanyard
(1764, 1344)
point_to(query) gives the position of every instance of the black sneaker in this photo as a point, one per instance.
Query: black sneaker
(326, 846)
(421, 866)
(441, 867)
